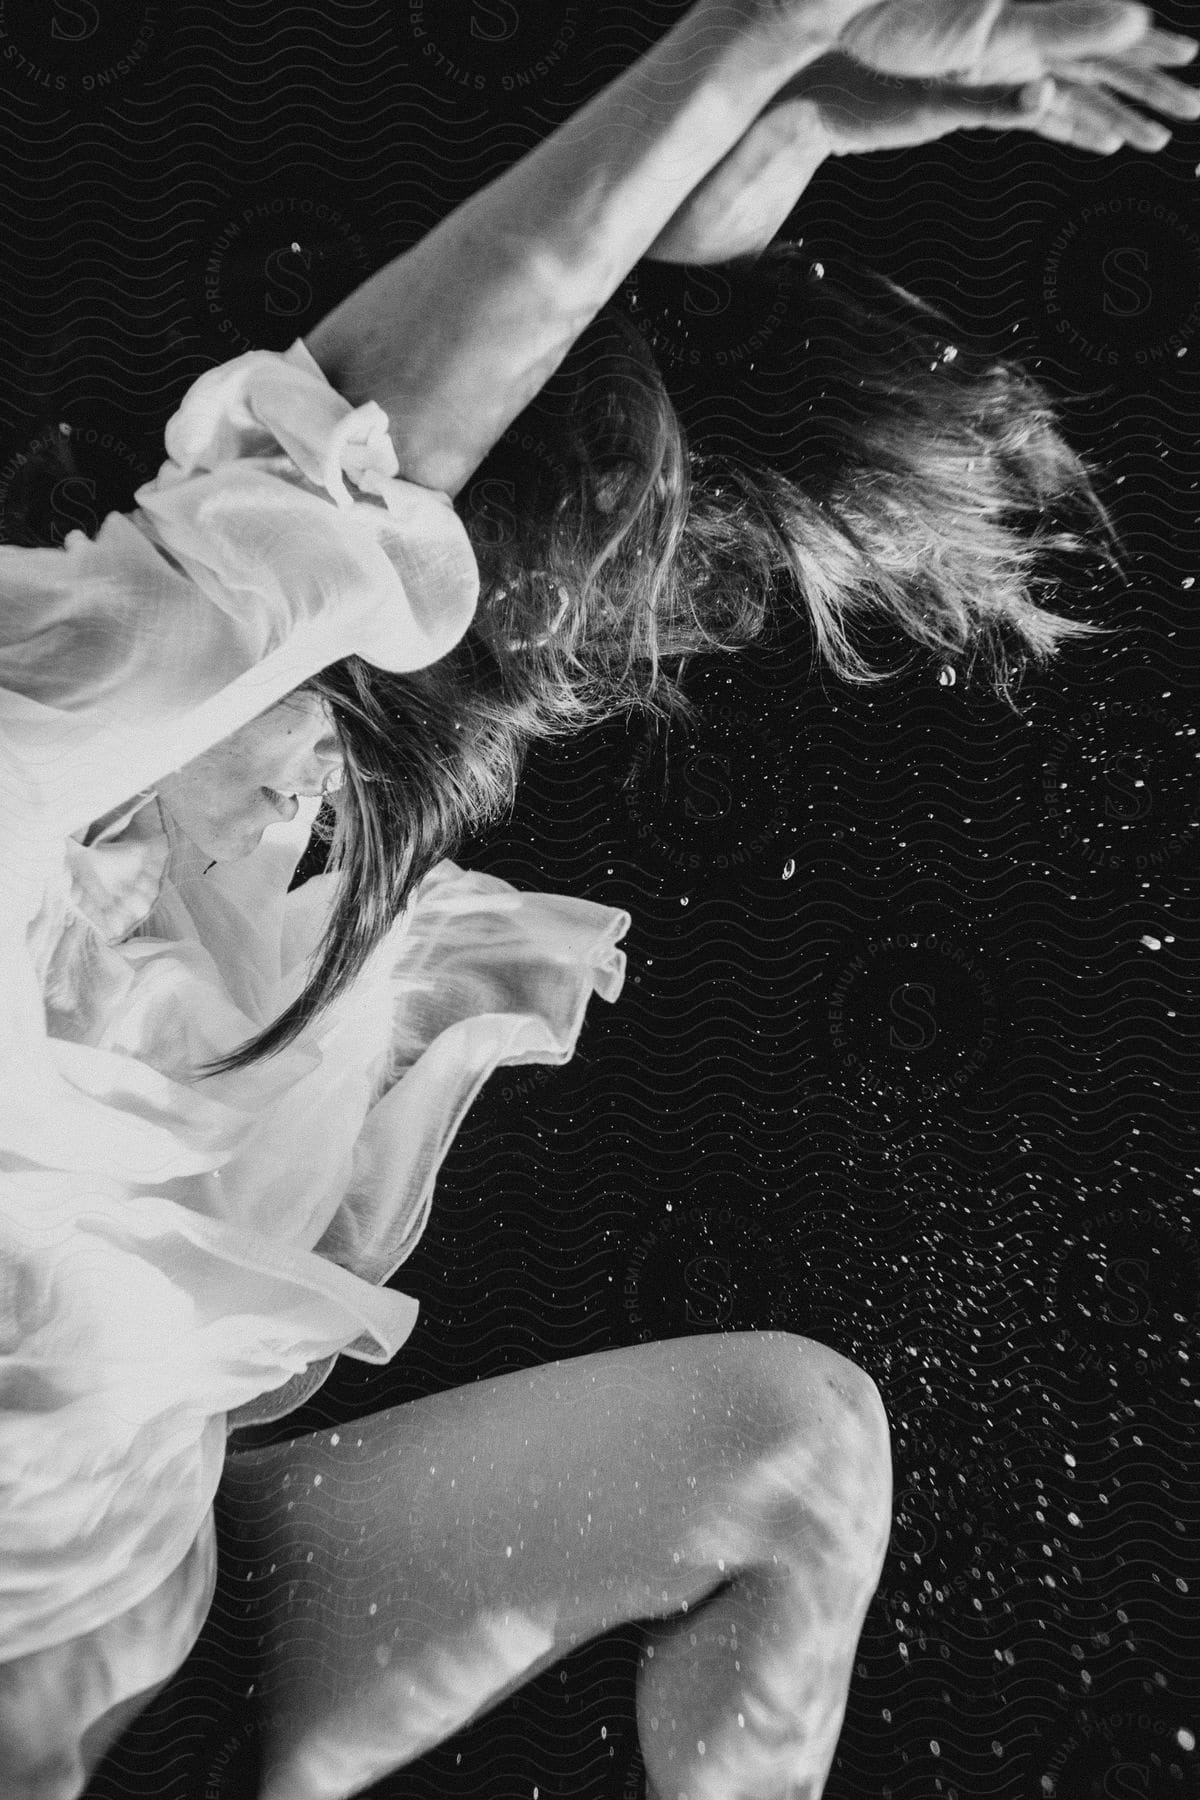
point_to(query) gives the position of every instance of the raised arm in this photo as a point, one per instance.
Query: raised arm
(455, 336)
(698, 153)
(1065, 73)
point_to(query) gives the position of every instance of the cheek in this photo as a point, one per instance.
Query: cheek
(277, 763)
(224, 793)
(241, 775)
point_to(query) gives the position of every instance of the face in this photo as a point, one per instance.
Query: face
(226, 798)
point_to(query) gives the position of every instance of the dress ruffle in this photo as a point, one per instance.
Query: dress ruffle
(179, 1251)
(141, 1311)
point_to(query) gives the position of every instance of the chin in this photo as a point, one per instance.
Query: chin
(236, 852)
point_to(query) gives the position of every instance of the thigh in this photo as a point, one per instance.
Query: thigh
(563, 1500)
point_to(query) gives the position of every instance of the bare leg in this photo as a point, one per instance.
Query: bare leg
(433, 1558)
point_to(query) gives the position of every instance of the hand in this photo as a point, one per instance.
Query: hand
(983, 42)
(1068, 98)
(1050, 69)
(1004, 42)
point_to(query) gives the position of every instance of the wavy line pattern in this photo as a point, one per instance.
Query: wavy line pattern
(905, 1060)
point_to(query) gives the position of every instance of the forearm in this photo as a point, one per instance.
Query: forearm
(454, 337)
(741, 205)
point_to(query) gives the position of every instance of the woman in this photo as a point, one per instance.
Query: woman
(181, 1243)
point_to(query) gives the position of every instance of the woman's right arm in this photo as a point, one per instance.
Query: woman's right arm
(457, 335)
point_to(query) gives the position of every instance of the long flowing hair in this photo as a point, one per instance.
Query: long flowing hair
(926, 486)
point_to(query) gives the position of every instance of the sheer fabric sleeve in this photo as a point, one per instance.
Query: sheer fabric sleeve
(484, 976)
(275, 539)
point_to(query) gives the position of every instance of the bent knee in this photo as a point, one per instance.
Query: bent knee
(821, 1458)
(803, 1371)
(803, 1391)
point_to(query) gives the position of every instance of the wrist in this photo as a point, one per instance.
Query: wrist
(774, 39)
(809, 140)
(590, 201)
(743, 204)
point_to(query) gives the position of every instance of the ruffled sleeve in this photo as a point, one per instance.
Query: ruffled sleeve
(485, 976)
(275, 540)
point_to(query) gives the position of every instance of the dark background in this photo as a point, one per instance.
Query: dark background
(967, 1161)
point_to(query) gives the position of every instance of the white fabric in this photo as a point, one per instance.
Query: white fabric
(172, 1250)
(96, 709)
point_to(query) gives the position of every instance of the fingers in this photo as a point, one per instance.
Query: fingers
(1166, 49)
(1030, 35)
(1092, 120)
(1063, 121)
(1117, 125)
(1085, 117)
(1056, 119)
(1040, 107)
(1147, 86)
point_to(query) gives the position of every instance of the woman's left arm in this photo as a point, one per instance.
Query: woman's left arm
(1041, 71)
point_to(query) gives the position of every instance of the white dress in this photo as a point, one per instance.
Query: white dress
(174, 1251)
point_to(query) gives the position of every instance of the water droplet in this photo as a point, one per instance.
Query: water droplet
(789, 868)
(947, 677)
(1151, 943)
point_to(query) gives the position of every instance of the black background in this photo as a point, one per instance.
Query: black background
(905, 1057)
